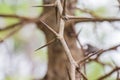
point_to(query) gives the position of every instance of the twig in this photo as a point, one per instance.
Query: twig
(88, 11)
(108, 74)
(72, 61)
(14, 16)
(87, 57)
(10, 34)
(78, 69)
(11, 26)
(117, 78)
(82, 49)
(61, 38)
(98, 52)
(94, 19)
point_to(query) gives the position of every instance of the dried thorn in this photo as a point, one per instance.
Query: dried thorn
(79, 32)
(76, 17)
(48, 27)
(46, 5)
(50, 42)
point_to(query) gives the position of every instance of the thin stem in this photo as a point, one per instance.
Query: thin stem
(72, 61)
(108, 74)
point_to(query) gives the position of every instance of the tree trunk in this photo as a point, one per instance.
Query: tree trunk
(57, 60)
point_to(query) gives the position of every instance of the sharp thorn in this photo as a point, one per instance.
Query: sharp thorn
(46, 5)
(50, 42)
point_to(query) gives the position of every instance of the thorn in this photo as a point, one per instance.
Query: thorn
(48, 27)
(77, 17)
(79, 32)
(50, 42)
(46, 5)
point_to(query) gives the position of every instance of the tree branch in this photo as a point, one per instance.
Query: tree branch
(108, 74)
(14, 16)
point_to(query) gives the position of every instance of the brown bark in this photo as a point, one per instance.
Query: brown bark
(57, 60)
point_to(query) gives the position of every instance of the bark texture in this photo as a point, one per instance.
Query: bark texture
(57, 60)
